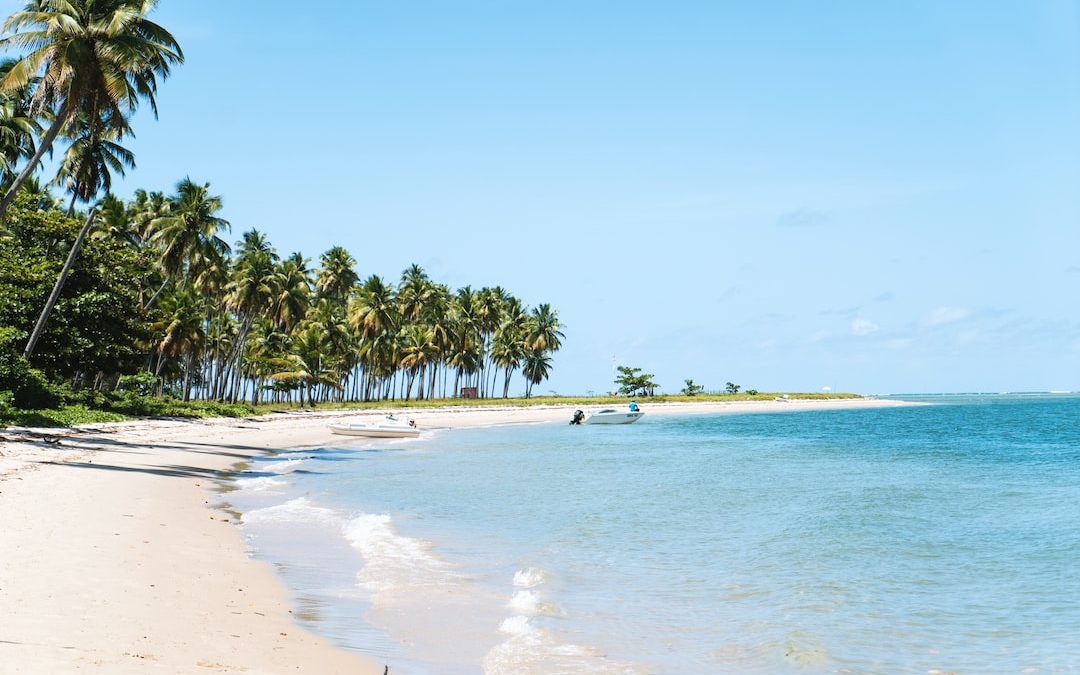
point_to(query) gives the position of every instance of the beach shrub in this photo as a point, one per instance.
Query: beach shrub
(692, 389)
(142, 383)
(28, 387)
(732, 388)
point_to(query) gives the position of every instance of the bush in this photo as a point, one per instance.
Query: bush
(29, 388)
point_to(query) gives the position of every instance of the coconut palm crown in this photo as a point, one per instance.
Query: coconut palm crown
(97, 58)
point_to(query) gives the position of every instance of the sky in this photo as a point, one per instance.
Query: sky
(871, 197)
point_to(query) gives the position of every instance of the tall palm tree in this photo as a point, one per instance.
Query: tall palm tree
(182, 332)
(536, 368)
(337, 276)
(542, 330)
(414, 292)
(186, 232)
(294, 292)
(94, 57)
(374, 309)
(250, 292)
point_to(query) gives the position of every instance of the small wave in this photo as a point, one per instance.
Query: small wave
(531, 650)
(529, 578)
(392, 561)
(299, 510)
(260, 484)
(287, 466)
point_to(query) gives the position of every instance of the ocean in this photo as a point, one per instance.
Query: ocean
(938, 538)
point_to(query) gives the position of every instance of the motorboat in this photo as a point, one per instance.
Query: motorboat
(388, 427)
(611, 416)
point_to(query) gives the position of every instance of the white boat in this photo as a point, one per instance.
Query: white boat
(386, 428)
(609, 416)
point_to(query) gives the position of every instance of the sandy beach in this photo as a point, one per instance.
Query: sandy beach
(118, 556)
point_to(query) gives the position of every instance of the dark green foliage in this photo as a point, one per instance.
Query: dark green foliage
(96, 324)
(732, 388)
(633, 382)
(692, 389)
(28, 388)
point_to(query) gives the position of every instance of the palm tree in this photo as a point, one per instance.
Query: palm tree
(93, 57)
(90, 161)
(115, 222)
(85, 169)
(250, 292)
(18, 127)
(542, 330)
(294, 292)
(182, 332)
(374, 309)
(337, 276)
(186, 232)
(311, 362)
(536, 369)
(414, 292)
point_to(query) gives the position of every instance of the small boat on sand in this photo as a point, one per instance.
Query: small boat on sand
(610, 416)
(390, 427)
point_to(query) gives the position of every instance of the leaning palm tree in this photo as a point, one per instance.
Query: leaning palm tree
(98, 58)
(86, 170)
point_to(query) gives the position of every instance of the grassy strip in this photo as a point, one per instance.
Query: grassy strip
(135, 407)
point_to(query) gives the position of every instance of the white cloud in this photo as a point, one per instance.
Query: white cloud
(944, 315)
(864, 327)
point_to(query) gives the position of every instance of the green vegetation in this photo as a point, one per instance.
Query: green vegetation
(143, 307)
(692, 389)
(633, 382)
(732, 388)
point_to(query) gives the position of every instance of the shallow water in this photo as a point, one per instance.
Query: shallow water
(896, 540)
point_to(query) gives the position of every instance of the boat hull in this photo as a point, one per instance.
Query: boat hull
(373, 432)
(613, 418)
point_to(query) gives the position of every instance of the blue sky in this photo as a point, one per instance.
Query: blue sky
(874, 197)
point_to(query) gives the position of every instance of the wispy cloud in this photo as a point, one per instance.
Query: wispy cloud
(943, 315)
(802, 217)
(864, 327)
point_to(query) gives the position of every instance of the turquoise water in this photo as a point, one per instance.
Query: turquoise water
(898, 540)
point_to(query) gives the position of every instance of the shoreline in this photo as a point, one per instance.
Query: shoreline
(130, 564)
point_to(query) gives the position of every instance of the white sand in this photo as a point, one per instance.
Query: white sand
(113, 558)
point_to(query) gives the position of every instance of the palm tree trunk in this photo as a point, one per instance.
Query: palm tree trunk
(154, 298)
(43, 147)
(59, 285)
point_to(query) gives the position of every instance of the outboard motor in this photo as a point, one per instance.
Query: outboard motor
(578, 416)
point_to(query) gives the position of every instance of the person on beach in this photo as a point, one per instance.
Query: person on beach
(634, 406)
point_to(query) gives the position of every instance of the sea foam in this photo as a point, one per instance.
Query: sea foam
(299, 510)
